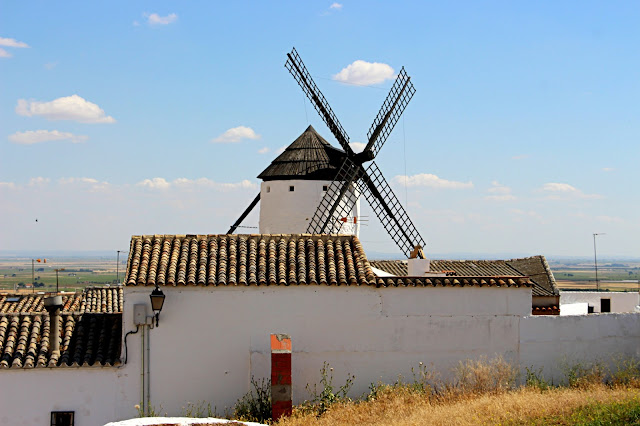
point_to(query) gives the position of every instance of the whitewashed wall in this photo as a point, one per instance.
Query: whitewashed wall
(97, 395)
(556, 342)
(286, 212)
(620, 301)
(211, 340)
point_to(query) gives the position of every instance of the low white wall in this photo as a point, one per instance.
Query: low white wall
(96, 395)
(556, 342)
(574, 309)
(210, 341)
(620, 301)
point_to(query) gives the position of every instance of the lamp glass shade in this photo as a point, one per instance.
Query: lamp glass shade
(157, 300)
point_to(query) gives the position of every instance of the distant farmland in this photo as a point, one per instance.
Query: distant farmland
(78, 273)
(612, 275)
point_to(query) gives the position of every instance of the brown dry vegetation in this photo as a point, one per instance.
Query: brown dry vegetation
(483, 392)
(399, 406)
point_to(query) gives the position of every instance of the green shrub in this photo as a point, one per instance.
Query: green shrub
(535, 379)
(255, 405)
(328, 395)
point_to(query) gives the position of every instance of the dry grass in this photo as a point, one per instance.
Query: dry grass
(401, 406)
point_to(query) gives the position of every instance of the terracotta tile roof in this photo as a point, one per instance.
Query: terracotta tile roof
(87, 340)
(535, 267)
(456, 281)
(247, 260)
(297, 259)
(545, 310)
(91, 300)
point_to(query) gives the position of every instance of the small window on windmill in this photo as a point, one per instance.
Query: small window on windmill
(62, 418)
(268, 189)
(291, 188)
(325, 188)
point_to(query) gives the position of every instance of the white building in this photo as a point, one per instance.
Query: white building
(225, 294)
(596, 302)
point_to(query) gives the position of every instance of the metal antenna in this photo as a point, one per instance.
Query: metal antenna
(595, 258)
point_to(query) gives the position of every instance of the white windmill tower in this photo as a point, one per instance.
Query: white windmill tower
(295, 182)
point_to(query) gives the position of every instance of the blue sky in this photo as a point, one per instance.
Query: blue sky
(522, 136)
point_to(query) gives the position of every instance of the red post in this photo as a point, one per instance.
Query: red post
(280, 376)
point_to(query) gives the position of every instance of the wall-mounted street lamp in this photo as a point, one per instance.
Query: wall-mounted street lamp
(157, 300)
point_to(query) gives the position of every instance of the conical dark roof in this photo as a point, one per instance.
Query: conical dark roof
(308, 157)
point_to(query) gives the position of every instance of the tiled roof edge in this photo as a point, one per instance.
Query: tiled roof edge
(455, 281)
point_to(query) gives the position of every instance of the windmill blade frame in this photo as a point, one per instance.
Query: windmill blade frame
(388, 209)
(392, 108)
(300, 73)
(244, 215)
(333, 205)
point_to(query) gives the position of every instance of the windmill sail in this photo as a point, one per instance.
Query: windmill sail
(387, 207)
(336, 202)
(297, 69)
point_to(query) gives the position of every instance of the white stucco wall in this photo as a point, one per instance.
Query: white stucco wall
(554, 342)
(574, 309)
(620, 301)
(211, 340)
(96, 395)
(290, 212)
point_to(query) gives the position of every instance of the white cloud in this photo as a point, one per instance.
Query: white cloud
(191, 184)
(499, 192)
(281, 149)
(155, 19)
(431, 181)
(520, 157)
(608, 169)
(39, 181)
(365, 73)
(93, 184)
(519, 214)
(10, 42)
(357, 146)
(66, 108)
(155, 183)
(70, 180)
(610, 219)
(8, 185)
(236, 134)
(37, 136)
(558, 191)
(263, 150)
(221, 186)
(336, 6)
(51, 65)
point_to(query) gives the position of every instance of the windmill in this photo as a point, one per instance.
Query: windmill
(353, 178)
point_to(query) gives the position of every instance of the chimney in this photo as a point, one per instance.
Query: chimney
(418, 267)
(53, 305)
